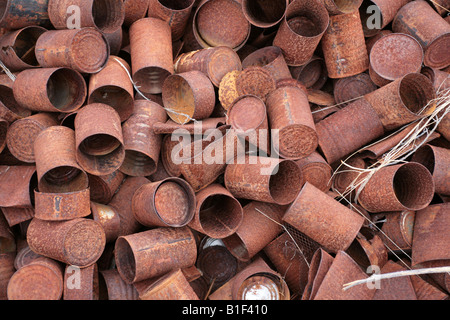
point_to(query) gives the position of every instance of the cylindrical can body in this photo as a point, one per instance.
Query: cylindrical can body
(316, 171)
(105, 15)
(289, 112)
(134, 10)
(79, 242)
(399, 187)
(344, 46)
(323, 219)
(348, 89)
(418, 19)
(16, 185)
(142, 145)
(108, 218)
(102, 188)
(18, 48)
(166, 203)
(87, 287)
(22, 13)
(403, 100)
(301, 30)
(397, 229)
(218, 214)
(264, 14)
(151, 54)
(263, 179)
(115, 288)
(112, 86)
(188, 95)
(154, 252)
(260, 225)
(270, 58)
(99, 139)
(358, 123)
(50, 89)
(313, 73)
(22, 134)
(85, 50)
(56, 164)
(377, 14)
(215, 62)
(176, 14)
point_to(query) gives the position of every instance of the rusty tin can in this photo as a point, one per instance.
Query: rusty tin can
(16, 215)
(220, 23)
(255, 80)
(17, 14)
(108, 218)
(264, 179)
(344, 46)
(188, 95)
(399, 187)
(385, 10)
(112, 286)
(142, 145)
(261, 223)
(323, 219)
(106, 15)
(394, 56)
(154, 252)
(151, 54)
(437, 161)
(79, 242)
(41, 279)
(336, 7)
(81, 283)
(10, 110)
(134, 10)
(358, 123)
(175, 13)
(289, 112)
(115, 40)
(368, 249)
(166, 203)
(85, 50)
(316, 171)
(218, 214)
(319, 266)
(102, 188)
(351, 88)
(170, 286)
(99, 139)
(60, 206)
(18, 48)
(420, 20)
(16, 186)
(313, 74)
(439, 78)
(270, 58)
(56, 164)
(397, 229)
(6, 272)
(22, 134)
(215, 62)
(50, 89)
(301, 30)
(227, 89)
(264, 14)
(112, 86)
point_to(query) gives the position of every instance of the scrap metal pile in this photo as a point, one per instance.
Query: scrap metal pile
(224, 150)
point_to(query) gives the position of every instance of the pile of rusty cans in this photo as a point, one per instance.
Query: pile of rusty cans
(224, 149)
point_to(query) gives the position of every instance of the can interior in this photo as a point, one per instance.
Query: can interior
(176, 4)
(416, 91)
(24, 45)
(346, 6)
(8, 100)
(178, 98)
(307, 20)
(150, 79)
(262, 57)
(263, 12)
(108, 15)
(64, 179)
(236, 247)
(284, 183)
(425, 156)
(118, 98)
(138, 163)
(126, 264)
(66, 90)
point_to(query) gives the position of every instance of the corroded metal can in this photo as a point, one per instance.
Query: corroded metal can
(112, 86)
(176, 13)
(142, 145)
(402, 101)
(335, 227)
(399, 187)
(10, 110)
(344, 46)
(397, 229)
(215, 62)
(270, 58)
(301, 30)
(22, 134)
(289, 112)
(166, 203)
(112, 286)
(313, 74)
(18, 48)
(81, 283)
(188, 95)
(85, 50)
(320, 263)
(50, 89)
(374, 19)
(108, 218)
(264, 14)
(56, 164)
(79, 242)
(358, 123)
(418, 19)
(22, 13)
(351, 88)
(220, 23)
(260, 225)
(102, 188)
(218, 214)
(106, 15)
(134, 10)
(255, 80)
(437, 161)
(170, 286)
(154, 252)
(151, 54)
(316, 171)
(264, 179)
(99, 139)
(16, 185)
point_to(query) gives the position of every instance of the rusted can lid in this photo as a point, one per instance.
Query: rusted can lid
(247, 113)
(256, 81)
